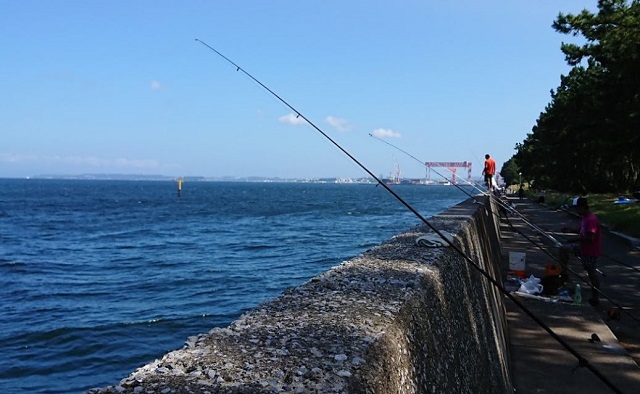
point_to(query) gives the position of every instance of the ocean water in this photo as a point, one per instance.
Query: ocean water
(100, 277)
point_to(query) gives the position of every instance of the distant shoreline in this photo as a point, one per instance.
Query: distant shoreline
(138, 177)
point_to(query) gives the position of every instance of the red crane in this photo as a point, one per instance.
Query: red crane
(451, 166)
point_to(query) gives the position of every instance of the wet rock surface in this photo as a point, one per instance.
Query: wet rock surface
(396, 319)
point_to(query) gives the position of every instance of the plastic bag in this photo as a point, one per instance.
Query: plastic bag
(531, 285)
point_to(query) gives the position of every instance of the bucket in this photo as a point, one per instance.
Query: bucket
(517, 264)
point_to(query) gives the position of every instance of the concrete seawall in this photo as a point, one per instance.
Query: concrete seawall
(400, 318)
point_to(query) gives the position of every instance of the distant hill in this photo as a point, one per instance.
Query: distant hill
(140, 177)
(109, 177)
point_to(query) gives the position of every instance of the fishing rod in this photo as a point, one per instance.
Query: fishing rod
(480, 162)
(582, 362)
(564, 209)
(423, 164)
(418, 160)
(500, 202)
(325, 135)
(527, 222)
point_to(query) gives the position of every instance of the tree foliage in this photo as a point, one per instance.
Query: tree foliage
(586, 139)
(510, 172)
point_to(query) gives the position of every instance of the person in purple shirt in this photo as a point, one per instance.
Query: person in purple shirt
(587, 246)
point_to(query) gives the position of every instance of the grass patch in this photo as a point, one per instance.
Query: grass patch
(624, 218)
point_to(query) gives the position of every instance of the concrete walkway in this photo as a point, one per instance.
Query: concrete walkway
(540, 363)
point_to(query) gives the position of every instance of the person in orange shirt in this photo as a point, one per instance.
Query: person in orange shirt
(489, 171)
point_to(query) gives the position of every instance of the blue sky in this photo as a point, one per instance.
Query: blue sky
(123, 87)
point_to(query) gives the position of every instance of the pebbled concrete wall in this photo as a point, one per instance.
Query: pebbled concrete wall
(400, 318)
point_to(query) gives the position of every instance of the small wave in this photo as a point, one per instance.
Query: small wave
(142, 277)
(47, 359)
(259, 247)
(11, 263)
(144, 322)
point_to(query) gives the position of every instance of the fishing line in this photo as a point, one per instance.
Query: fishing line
(477, 158)
(576, 274)
(622, 263)
(418, 160)
(527, 222)
(300, 115)
(604, 255)
(582, 362)
(585, 281)
(498, 201)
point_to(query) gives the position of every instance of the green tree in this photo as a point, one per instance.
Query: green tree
(510, 172)
(586, 139)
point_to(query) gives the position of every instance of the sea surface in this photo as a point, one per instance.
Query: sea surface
(98, 278)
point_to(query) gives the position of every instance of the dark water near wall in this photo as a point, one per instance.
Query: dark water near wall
(100, 277)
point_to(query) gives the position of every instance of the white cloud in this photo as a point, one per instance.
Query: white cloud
(386, 133)
(292, 119)
(339, 123)
(156, 85)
